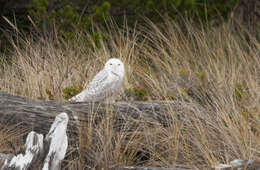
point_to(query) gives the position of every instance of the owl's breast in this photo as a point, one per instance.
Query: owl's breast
(114, 84)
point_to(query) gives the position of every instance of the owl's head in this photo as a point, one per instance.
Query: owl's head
(115, 66)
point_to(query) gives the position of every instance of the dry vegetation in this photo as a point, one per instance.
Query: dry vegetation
(214, 68)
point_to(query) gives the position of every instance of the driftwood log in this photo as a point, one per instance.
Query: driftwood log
(33, 151)
(53, 148)
(239, 165)
(57, 142)
(38, 116)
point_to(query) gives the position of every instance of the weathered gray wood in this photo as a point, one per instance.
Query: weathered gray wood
(127, 116)
(58, 143)
(150, 168)
(5, 156)
(33, 150)
(38, 115)
(53, 148)
(239, 164)
(234, 165)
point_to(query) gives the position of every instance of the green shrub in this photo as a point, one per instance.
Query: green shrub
(69, 92)
(138, 93)
(204, 9)
(50, 95)
(72, 15)
(67, 20)
(240, 93)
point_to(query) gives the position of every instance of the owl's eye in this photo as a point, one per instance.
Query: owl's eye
(111, 64)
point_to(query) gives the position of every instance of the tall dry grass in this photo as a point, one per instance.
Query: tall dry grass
(213, 71)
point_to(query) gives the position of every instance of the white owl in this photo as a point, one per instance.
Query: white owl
(105, 84)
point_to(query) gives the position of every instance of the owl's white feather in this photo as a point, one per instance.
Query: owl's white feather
(105, 84)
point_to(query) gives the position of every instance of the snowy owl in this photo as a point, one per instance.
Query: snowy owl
(105, 85)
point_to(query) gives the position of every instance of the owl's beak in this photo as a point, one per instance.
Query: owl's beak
(114, 73)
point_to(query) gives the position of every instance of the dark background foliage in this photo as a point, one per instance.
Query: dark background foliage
(68, 16)
(84, 12)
